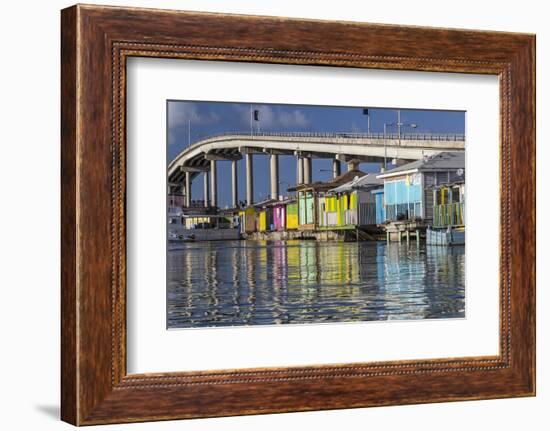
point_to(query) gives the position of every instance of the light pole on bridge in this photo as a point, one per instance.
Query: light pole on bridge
(398, 124)
(366, 112)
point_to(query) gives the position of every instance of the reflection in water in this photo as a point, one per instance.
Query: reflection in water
(234, 283)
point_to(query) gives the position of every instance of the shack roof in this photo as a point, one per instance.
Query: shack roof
(324, 186)
(264, 203)
(284, 201)
(365, 182)
(444, 161)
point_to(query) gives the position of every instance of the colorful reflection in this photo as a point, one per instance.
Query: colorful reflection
(236, 283)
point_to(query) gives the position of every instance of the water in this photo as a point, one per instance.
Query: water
(236, 283)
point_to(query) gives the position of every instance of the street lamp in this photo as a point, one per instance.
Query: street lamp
(399, 124)
(367, 113)
(254, 118)
(386, 145)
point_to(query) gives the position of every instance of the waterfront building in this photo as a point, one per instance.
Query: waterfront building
(409, 189)
(264, 215)
(247, 220)
(449, 199)
(291, 212)
(281, 216)
(311, 196)
(380, 206)
(201, 227)
(448, 227)
(351, 204)
(269, 215)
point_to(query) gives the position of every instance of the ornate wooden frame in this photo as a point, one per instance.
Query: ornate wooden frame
(95, 42)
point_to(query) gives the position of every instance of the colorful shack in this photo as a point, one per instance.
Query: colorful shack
(449, 202)
(379, 205)
(291, 213)
(264, 215)
(409, 189)
(280, 211)
(312, 202)
(449, 224)
(247, 220)
(352, 204)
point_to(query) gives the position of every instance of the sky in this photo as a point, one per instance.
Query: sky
(191, 121)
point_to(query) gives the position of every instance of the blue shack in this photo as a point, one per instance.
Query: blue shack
(379, 205)
(409, 189)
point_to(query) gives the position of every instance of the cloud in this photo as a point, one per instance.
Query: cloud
(274, 118)
(295, 118)
(180, 113)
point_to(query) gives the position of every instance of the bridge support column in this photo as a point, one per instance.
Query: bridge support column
(274, 165)
(206, 189)
(249, 179)
(353, 165)
(307, 170)
(299, 170)
(214, 184)
(188, 183)
(234, 184)
(336, 168)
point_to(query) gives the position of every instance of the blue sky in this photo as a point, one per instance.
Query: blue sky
(210, 118)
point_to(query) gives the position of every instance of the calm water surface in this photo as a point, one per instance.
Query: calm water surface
(235, 283)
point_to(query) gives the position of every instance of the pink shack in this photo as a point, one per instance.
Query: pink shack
(279, 213)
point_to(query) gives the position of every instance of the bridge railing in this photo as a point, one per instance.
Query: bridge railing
(333, 135)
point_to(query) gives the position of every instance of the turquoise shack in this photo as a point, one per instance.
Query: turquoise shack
(409, 189)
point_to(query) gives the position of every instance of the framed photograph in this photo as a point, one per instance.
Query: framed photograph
(267, 215)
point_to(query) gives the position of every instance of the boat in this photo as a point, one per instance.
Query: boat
(446, 237)
(180, 237)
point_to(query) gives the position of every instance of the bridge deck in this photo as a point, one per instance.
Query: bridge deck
(363, 147)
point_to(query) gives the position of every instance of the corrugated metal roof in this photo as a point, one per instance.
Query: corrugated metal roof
(366, 181)
(285, 201)
(441, 161)
(264, 203)
(322, 186)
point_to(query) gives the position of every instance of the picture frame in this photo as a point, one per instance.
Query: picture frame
(96, 41)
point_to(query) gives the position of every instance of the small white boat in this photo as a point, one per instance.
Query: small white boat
(445, 237)
(179, 237)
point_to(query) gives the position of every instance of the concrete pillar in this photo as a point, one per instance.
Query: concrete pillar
(188, 189)
(249, 179)
(353, 165)
(206, 189)
(213, 184)
(274, 170)
(336, 168)
(234, 184)
(299, 170)
(307, 170)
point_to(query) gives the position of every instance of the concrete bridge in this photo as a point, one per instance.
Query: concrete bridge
(349, 148)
